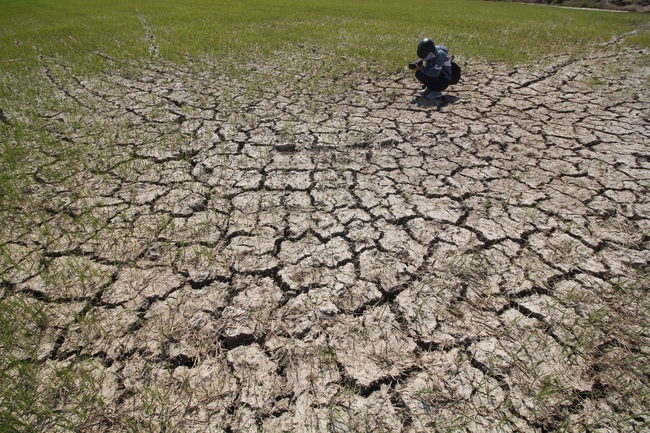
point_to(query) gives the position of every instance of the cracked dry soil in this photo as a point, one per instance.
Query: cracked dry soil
(343, 257)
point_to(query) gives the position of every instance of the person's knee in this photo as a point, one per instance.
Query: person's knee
(422, 78)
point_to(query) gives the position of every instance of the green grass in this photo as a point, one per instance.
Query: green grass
(11, 154)
(641, 39)
(381, 33)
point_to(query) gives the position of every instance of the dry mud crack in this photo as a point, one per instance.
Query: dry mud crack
(342, 257)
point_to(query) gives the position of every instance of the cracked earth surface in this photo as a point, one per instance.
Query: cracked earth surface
(341, 256)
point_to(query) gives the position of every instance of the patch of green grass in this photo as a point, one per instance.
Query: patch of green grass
(641, 39)
(12, 153)
(380, 33)
(20, 323)
(74, 29)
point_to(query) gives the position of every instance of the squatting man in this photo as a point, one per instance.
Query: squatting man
(432, 69)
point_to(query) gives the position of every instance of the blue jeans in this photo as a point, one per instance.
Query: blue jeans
(438, 83)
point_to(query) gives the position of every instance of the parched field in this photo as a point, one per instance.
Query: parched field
(206, 252)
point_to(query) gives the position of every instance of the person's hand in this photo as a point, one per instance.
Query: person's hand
(418, 67)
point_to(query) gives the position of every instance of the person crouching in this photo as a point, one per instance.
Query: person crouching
(433, 69)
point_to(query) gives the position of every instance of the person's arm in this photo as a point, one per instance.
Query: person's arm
(434, 68)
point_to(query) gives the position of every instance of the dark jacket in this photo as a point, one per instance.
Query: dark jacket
(438, 63)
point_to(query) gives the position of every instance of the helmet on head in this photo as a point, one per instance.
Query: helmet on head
(425, 47)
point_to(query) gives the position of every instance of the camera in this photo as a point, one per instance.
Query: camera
(415, 64)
